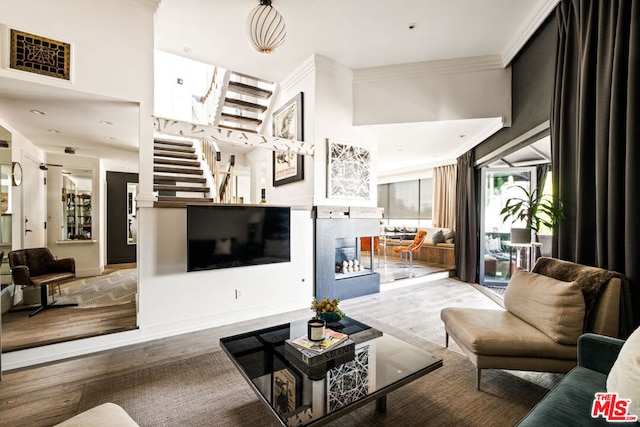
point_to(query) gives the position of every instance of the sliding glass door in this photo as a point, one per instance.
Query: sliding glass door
(497, 259)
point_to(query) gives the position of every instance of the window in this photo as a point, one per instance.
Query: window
(407, 199)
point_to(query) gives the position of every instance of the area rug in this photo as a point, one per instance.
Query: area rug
(118, 287)
(207, 390)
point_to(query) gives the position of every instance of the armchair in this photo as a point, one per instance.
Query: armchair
(413, 247)
(37, 267)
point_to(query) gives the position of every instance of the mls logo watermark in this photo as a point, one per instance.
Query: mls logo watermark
(612, 408)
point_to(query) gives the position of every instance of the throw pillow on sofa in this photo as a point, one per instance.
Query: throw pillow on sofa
(438, 237)
(552, 306)
(624, 377)
(450, 236)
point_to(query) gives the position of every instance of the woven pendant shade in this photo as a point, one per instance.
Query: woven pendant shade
(265, 28)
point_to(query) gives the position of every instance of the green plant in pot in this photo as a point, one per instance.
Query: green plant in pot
(535, 210)
(327, 309)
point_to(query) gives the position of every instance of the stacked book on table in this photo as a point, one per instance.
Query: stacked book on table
(315, 358)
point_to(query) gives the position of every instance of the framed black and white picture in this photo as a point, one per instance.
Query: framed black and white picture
(284, 391)
(349, 171)
(288, 124)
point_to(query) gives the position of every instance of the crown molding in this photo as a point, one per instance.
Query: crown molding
(527, 29)
(152, 5)
(303, 70)
(426, 68)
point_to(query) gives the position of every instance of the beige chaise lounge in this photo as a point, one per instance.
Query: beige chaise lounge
(542, 320)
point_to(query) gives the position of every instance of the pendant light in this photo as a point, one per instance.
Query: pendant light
(265, 27)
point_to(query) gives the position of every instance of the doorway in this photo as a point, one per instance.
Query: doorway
(497, 255)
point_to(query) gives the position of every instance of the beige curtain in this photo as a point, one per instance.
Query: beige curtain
(444, 196)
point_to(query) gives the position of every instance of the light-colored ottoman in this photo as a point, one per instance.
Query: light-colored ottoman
(105, 415)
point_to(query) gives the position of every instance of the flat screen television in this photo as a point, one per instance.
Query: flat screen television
(224, 236)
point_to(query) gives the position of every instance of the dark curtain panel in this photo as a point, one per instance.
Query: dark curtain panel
(541, 177)
(466, 250)
(594, 136)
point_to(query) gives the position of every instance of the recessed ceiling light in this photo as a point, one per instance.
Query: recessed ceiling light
(105, 122)
(54, 130)
(39, 113)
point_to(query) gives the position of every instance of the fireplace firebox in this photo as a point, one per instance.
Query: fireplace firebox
(341, 269)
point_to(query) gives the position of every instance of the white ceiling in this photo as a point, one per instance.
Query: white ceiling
(358, 34)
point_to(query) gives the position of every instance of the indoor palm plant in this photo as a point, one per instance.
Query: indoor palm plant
(535, 210)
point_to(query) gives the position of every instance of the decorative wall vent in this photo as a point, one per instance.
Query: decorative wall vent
(40, 55)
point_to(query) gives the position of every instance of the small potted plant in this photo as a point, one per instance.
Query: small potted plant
(535, 210)
(327, 309)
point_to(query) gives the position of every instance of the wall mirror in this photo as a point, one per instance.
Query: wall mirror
(77, 185)
(132, 222)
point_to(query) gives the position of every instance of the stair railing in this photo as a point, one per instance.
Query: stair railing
(212, 157)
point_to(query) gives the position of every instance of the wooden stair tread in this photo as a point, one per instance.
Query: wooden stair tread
(240, 119)
(168, 169)
(244, 105)
(180, 189)
(173, 143)
(247, 76)
(180, 202)
(176, 162)
(157, 179)
(170, 154)
(160, 147)
(246, 89)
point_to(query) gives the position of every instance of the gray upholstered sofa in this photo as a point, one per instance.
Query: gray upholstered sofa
(570, 402)
(544, 316)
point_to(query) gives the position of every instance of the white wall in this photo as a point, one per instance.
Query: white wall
(111, 43)
(173, 300)
(302, 79)
(20, 148)
(173, 100)
(456, 89)
(334, 106)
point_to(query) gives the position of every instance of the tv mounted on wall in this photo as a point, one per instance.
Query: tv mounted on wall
(224, 236)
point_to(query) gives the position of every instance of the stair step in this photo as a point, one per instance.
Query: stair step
(247, 76)
(173, 149)
(173, 143)
(240, 119)
(246, 89)
(175, 162)
(180, 202)
(174, 155)
(180, 189)
(158, 179)
(168, 169)
(244, 105)
(237, 128)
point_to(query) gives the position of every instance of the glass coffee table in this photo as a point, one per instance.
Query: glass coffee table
(303, 394)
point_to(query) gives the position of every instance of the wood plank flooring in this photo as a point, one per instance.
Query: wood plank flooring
(19, 331)
(47, 394)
